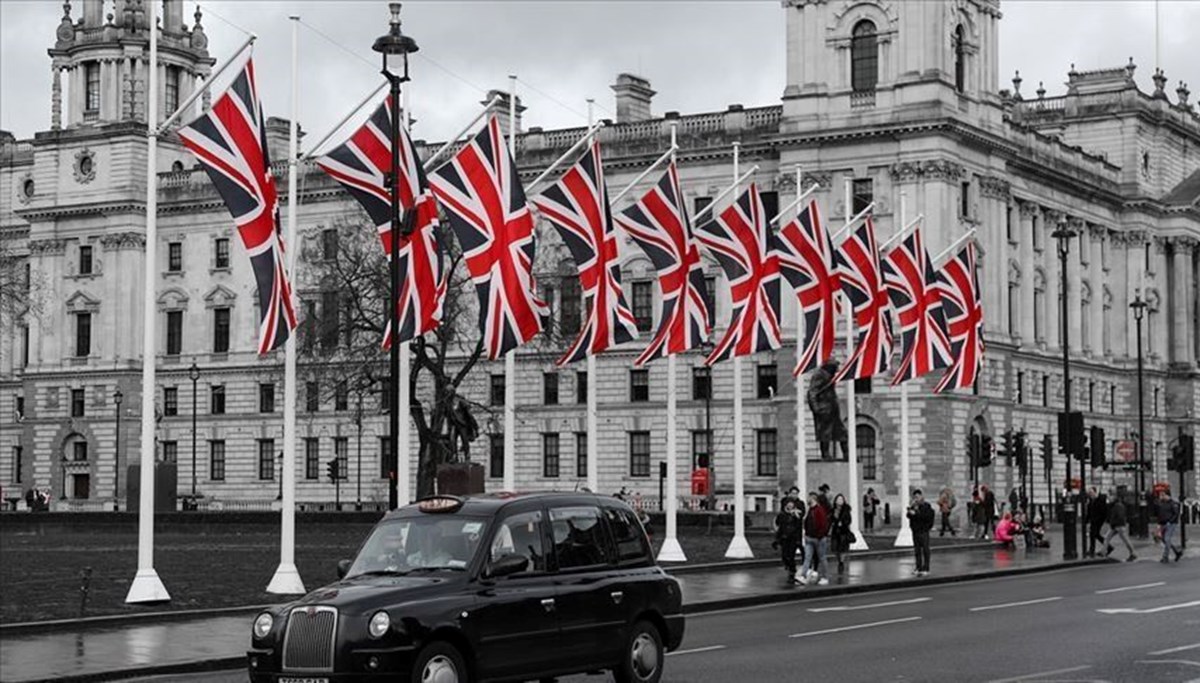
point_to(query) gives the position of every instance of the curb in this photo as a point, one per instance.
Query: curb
(222, 664)
(123, 619)
(774, 561)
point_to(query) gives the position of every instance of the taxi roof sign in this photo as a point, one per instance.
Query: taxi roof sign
(440, 504)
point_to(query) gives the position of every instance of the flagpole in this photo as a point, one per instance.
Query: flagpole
(593, 437)
(801, 428)
(287, 578)
(904, 231)
(146, 586)
(738, 548)
(592, 128)
(795, 202)
(671, 551)
(207, 84)
(737, 182)
(510, 358)
(860, 543)
(953, 246)
(837, 237)
(428, 165)
(403, 393)
(370, 96)
(904, 539)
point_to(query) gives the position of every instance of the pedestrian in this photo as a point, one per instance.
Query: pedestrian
(816, 543)
(978, 516)
(1168, 522)
(920, 519)
(1013, 500)
(1116, 527)
(840, 535)
(789, 529)
(1006, 531)
(870, 507)
(823, 497)
(946, 503)
(989, 508)
(1097, 514)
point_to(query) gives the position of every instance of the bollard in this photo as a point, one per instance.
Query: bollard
(887, 514)
(85, 586)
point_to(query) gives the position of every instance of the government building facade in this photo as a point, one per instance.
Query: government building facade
(891, 97)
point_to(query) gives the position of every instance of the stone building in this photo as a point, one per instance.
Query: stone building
(890, 97)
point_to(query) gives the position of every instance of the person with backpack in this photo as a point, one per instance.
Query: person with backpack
(1168, 522)
(816, 543)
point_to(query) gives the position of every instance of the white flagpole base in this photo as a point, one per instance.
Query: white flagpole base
(147, 588)
(671, 551)
(286, 581)
(739, 549)
(904, 539)
(861, 543)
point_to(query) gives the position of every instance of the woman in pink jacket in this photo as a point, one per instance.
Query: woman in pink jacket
(1006, 530)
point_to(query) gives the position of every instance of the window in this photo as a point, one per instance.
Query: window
(330, 312)
(24, 346)
(174, 257)
(1039, 314)
(18, 456)
(222, 252)
(312, 458)
(1112, 399)
(174, 332)
(170, 401)
(768, 380)
(581, 386)
(643, 305)
(864, 57)
(1009, 229)
(701, 383)
(91, 74)
(171, 90)
(710, 297)
(520, 534)
(862, 192)
(216, 460)
(639, 454)
(85, 260)
(77, 403)
(579, 538)
(964, 200)
(83, 335)
(20, 408)
(329, 244)
(220, 330)
(550, 388)
(632, 545)
(1091, 397)
(312, 397)
(385, 395)
(217, 402)
(497, 395)
(768, 453)
(496, 456)
(699, 204)
(1014, 302)
(570, 316)
(701, 448)
(1045, 391)
(79, 451)
(866, 451)
(170, 451)
(341, 396)
(385, 457)
(1155, 403)
(639, 384)
(550, 459)
(341, 451)
(266, 459)
(960, 59)
(862, 386)
(1020, 387)
(1035, 228)
(266, 397)
(581, 455)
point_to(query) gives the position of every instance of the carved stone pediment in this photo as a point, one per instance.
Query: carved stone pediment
(81, 302)
(220, 296)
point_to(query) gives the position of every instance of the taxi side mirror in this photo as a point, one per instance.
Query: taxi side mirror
(343, 567)
(507, 565)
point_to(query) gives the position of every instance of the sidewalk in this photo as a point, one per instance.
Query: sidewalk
(104, 650)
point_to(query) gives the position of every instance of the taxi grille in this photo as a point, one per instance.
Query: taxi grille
(308, 643)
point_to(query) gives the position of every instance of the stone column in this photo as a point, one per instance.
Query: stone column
(1097, 279)
(1182, 290)
(1024, 219)
(1053, 280)
(56, 98)
(1074, 285)
(1158, 262)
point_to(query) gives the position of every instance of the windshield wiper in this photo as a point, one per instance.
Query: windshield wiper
(378, 572)
(436, 568)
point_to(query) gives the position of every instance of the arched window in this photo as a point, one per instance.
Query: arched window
(865, 437)
(864, 57)
(960, 59)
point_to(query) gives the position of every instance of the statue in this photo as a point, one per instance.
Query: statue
(826, 410)
(463, 427)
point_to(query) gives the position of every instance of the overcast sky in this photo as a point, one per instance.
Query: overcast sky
(699, 56)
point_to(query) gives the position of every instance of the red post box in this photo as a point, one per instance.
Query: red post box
(700, 482)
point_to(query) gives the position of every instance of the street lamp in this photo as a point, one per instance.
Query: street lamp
(117, 398)
(395, 47)
(358, 420)
(1139, 310)
(1064, 234)
(194, 374)
(706, 348)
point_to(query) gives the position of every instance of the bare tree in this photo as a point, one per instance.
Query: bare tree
(21, 290)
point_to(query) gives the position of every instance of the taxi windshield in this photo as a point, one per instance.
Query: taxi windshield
(415, 544)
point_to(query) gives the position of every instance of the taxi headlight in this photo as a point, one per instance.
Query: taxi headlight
(379, 625)
(263, 624)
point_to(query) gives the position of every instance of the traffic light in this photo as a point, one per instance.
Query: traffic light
(985, 451)
(331, 468)
(1047, 451)
(1070, 434)
(1183, 454)
(1007, 450)
(1021, 452)
(1097, 448)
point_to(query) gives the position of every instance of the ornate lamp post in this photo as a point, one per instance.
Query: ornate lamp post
(194, 374)
(706, 348)
(395, 47)
(1064, 234)
(1139, 311)
(117, 398)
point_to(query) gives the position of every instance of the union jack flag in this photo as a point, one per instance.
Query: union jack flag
(362, 165)
(578, 207)
(861, 280)
(486, 205)
(740, 240)
(230, 141)
(659, 224)
(806, 260)
(959, 287)
(912, 286)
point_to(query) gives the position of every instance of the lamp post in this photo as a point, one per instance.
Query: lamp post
(117, 398)
(194, 374)
(1064, 234)
(706, 348)
(1139, 310)
(358, 419)
(395, 47)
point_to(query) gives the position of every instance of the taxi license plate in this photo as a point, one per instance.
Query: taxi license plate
(303, 680)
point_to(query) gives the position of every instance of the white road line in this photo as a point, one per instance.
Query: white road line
(1131, 588)
(1016, 604)
(694, 650)
(1149, 610)
(851, 608)
(1040, 674)
(853, 628)
(1186, 662)
(1170, 650)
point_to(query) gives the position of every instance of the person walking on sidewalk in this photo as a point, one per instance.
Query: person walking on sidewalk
(920, 520)
(978, 516)
(840, 535)
(789, 529)
(870, 507)
(946, 503)
(1097, 515)
(1116, 527)
(1168, 522)
(816, 543)
(989, 508)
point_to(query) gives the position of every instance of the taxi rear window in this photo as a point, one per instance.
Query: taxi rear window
(632, 545)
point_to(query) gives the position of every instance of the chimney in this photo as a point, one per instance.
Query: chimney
(93, 13)
(633, 98)
(500, 109)
(172, 16)
(278, 131)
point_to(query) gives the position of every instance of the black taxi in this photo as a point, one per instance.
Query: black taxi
(490, 587)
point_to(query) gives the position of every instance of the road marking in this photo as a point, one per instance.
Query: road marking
(1016, 604)
(1186, 662)
(1150, 610)
(850, 608)
(695, 650)
(853, 628)
(1131, 588)
(1040, 674)
(1170, 650)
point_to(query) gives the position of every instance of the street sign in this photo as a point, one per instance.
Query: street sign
(1126, 451)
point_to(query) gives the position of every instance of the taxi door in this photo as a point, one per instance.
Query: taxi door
(591, 596)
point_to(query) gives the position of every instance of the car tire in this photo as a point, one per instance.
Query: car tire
(644, 655)
(440, 662)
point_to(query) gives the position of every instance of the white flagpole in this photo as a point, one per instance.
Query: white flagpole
(593, 436)
(312, 153)
(904, 539)
(146, 586)
(669, 154)
(671, 551)
(433, 158)
(510, 358)
(801, 428)
(287, 578)
(860, 543)
(403, 393)
(738, 548)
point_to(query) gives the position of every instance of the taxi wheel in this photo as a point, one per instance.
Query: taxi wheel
(440, 662)
(643, 661)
